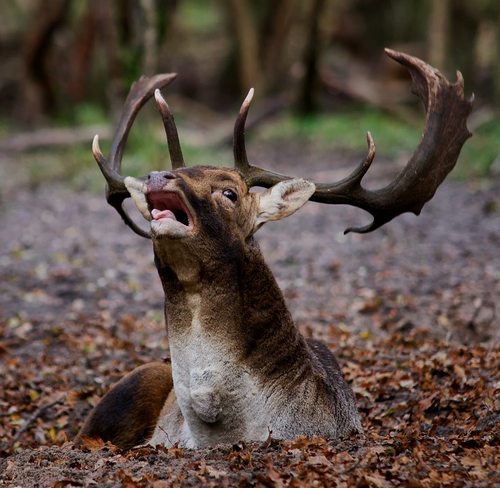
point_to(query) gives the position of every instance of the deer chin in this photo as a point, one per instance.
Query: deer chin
(166, 228)
(170, 215)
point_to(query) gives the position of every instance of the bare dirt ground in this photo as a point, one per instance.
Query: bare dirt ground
(412, 312)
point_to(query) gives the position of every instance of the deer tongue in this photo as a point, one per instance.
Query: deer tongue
(162, 214)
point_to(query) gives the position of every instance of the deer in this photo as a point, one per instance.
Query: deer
(240, 370)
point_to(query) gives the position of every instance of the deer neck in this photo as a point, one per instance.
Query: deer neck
(232, 298)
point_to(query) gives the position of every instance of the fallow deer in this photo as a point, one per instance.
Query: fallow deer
(239, 367)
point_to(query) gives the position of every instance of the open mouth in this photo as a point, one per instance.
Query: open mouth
(166, 206)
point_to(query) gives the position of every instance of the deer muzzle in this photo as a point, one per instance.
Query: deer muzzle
(157, 180)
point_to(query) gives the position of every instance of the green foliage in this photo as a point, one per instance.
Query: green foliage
(147, 150)
(346, 131)
(89, 114)
(481, 150)
(199, 16)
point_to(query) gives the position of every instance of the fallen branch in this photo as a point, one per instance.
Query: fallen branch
(28, 141)
(366, 92)
(37, 413)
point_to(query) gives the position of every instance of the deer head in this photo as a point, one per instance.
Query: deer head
(183, 202)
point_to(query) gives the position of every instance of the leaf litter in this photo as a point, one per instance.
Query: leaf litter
(411, 311)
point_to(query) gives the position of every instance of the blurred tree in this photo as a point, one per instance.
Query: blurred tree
(149, 38)
(82, 47)
(249, 65)
(38, 85)
(276, 36)
(306, 100)
(438, 32)
(91, 51)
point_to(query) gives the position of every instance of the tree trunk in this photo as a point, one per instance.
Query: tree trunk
(496, 72)
(82, 54)
(437, 35)
(248, 46)
(306, 102)
(275, 47)
(149, 38)
(38, 90)
(485, 60)
(107, 28)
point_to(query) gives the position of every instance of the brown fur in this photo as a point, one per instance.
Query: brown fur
(127, 415)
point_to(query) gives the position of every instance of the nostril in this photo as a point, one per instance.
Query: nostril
(158, 180)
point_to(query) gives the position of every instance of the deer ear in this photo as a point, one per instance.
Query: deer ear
(282, 200)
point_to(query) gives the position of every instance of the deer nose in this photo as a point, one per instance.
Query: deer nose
(157, 179)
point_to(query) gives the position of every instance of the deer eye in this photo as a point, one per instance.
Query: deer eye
(230, 194)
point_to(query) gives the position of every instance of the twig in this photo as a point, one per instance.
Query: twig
(367, 92)
(166, 435)
(37, 413)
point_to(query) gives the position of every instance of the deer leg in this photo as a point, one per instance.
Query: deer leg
(127, 415)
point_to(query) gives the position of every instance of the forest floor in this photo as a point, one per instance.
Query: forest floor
(412, 312)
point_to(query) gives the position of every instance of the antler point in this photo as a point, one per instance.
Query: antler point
(248, 100)
(371, 148)
(96, 150)
(396, 55)
(159, 97)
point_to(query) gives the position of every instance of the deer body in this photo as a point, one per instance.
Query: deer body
(239, 367)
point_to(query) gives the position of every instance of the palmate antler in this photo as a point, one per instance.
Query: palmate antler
(444, 135)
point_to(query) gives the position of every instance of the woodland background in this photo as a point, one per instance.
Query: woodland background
(318, 65)
(411, 311)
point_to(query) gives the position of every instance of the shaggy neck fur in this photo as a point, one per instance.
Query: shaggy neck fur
(240, 367)
(238, 300)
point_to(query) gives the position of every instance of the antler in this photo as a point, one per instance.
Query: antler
(116, 192)
(444, 135)
(174, 147)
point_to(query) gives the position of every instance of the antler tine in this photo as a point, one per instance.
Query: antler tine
(174, 147)
(444, 135)
(113, 179)
(354, 179)
(116, 191)
(239, 149)
(254, 176)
